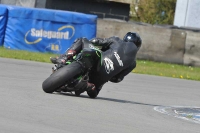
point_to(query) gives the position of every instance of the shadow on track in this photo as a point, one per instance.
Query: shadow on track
(125, 101)
(107, 99)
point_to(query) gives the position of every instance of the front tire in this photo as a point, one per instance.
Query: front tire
(61, 76)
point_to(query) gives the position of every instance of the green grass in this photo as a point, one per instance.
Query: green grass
(143, 67)
(25, 55)
(167, 70)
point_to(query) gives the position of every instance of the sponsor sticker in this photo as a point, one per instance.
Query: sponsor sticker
(34, 36)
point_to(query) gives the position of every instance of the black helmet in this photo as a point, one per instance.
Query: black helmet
(133, 37)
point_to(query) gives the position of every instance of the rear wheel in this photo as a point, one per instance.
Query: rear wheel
(77, 93)
(61, 76)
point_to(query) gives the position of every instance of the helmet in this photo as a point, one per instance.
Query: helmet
(133, 37)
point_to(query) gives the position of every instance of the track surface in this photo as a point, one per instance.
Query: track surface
(127, 107)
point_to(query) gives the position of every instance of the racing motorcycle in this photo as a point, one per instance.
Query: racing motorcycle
(72, 76)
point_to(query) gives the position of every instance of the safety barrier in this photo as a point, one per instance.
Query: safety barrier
(3, 19)
(44, 30)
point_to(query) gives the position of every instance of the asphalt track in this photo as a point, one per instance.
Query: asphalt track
(127, 107)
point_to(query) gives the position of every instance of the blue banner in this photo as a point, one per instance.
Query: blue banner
(3, 20)
(43, 30)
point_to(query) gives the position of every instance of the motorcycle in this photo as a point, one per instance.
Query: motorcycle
(72, 76)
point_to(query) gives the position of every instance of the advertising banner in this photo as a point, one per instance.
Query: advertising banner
(43, 30)
(3, 20)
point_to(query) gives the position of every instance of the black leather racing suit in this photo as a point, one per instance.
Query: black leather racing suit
(118, 59)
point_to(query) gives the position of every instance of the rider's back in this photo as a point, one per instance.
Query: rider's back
(118, 57)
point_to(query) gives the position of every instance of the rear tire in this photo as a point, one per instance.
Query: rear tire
(77, 93)
(61, 76)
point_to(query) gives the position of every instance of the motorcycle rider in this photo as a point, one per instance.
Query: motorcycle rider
(118, 59)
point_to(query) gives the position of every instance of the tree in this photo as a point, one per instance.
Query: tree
(156, 11)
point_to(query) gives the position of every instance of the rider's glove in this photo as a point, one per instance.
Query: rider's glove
(70, 54)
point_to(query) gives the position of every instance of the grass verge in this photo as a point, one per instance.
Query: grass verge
(25, 55)
(143, 67)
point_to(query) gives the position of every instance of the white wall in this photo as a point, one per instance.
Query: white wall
(187, 13)
(193, 14)
(24, 3)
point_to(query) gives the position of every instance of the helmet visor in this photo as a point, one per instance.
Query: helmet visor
(129, 37)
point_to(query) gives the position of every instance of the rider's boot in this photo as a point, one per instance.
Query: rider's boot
(90, 87)
(61, 59)
(54, 60)
(91, 90)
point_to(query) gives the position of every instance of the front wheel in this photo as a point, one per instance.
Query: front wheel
(61, 76)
